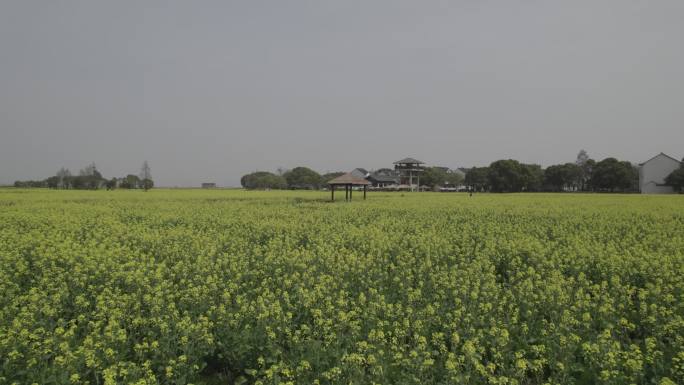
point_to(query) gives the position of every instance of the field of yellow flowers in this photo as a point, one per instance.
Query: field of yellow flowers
(237, 287)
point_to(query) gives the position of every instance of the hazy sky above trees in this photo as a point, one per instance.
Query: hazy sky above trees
(207, 91)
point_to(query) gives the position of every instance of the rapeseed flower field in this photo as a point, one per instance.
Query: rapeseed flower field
(239, 287)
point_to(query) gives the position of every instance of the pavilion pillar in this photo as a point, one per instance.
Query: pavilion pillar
(364, 191)
(346, 193)
(332, 193)
(350, 192)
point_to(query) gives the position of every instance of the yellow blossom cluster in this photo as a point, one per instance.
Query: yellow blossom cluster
(237, 287)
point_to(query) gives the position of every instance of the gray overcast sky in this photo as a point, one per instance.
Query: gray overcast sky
(210, 90)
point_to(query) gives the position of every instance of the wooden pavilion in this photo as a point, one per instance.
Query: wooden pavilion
(348, 181)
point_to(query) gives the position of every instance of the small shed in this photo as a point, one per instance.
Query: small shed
(348, 181)
(208, 185)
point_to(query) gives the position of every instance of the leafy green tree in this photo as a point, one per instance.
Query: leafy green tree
(509, 175)
(111, 184)
(611, 174)
(90, 178)
(532, 177)
(506, 175)
(554, 178)
(30, 184)
(587, 173)
(586, 165)
(561, 176)
(433, 177)
(130, 182)
(52, 182)
(79, 182)
(478, 178)
(454, 178)
(147, 184)
(263, 180)
(331, 175)
(303, 178)
(438, 176)
(64, 178)
(676, 179)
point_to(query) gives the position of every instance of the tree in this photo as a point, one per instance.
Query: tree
(562, 176)
(586, 166)
(433, 177)
(438, 176)
(146, 177)
(30, 184)
(303, 178)
(263, 180)
(554, 178)
(111, 184)
(532, 177)
(611, 174)
(676, 179)
(64, 178)
(506, 176)
(89, 170)
(331, 175)
(454, 178)
(79, 182)
(587, 174)
(89, 178)
(582, 158)
(509, 175)
(635, 187)
(130, 182)
(478, 178)
(147, 184)
(52, 182)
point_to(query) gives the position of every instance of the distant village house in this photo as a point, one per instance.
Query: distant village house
(652, 174)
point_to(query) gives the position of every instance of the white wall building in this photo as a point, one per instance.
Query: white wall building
(652, 174)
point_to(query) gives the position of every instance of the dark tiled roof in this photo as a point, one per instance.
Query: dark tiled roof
(359, 173)
(383, 178)
(408, 160)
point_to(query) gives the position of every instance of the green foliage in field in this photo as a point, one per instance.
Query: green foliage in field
(177, 287)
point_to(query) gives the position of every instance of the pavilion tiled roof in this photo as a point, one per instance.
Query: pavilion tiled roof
(408, 160)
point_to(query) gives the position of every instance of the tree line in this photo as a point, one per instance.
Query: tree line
(308, 179)
(676, 179)
(585, 174)
(297, 178)
(90, 178)
(505, 175)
